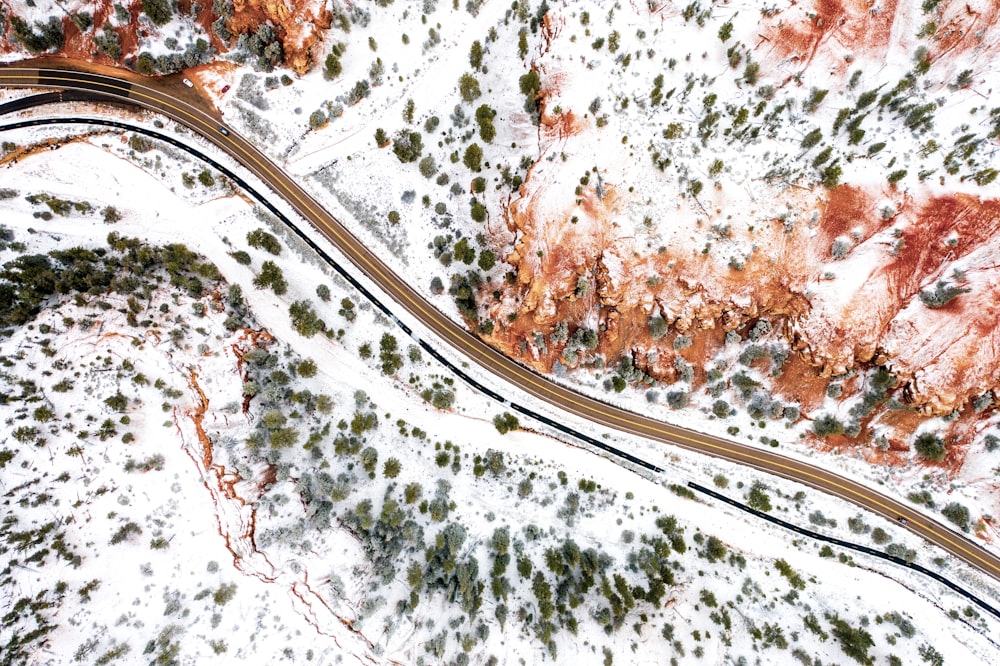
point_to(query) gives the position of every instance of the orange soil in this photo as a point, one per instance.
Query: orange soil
(800, 31)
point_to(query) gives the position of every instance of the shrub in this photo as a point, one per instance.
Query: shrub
(896, 176)
(224, 594)
(678, 399)
(486, 260)
(473, 157)
(855, 642)
(304, 319)
(506, 422)
(476, 55)
(958, 515)
(757, 498)
(271, 276)
(484, 117)
(941, 295)
(841, 246)
(408, 146)
(332, 67)
(428, 167)
(721, 409)
(391, 468)
(657, 327)
(125, 531)
(826, 425)
(468, 87)
(262, 240)
(477, 212)
(929, 445)
(317, 119)
(389, 356)
(830, 177)
(531, 85)
(811, 139)
(158, 11)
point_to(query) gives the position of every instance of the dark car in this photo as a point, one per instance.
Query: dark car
(224, 131)
(225, 88)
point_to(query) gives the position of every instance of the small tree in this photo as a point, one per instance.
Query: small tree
(262, 240)
(506, 422)
(757, 498)
(477, 211)
(304, 319)
(473, 157)
(484, 117)
(428, 167)
(468, 87)
(391, 468)
(657, 327)
(855, 642)
(486, 260)
(408, 146)
(332, 67)
(531, 85)
(476, 55)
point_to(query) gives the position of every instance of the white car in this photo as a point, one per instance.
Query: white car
(188, 83)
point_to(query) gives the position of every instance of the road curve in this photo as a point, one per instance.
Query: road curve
(159, 97)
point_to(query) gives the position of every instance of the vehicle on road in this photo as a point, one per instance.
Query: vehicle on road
(188, 83)
(224, 131)
(902, 521)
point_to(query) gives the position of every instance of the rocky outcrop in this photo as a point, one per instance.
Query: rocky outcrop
(300, 27)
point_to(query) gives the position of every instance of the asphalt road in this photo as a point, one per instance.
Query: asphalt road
(172, 99)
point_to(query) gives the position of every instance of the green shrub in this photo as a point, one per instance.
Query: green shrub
(506, 422)
(468, 87)
(928, 445)
(826, 425)
(408, 146)
(958, 515)
(473, 157)
(262, 240)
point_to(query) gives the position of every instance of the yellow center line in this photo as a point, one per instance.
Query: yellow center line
(489, 358)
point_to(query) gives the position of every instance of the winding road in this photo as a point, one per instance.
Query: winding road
(172, 99)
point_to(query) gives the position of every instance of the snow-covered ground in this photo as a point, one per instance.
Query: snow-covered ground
(306, 585)
(416, 220)
(284, 525)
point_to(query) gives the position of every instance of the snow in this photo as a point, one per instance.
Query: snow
(271, 583)
(158, 207)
